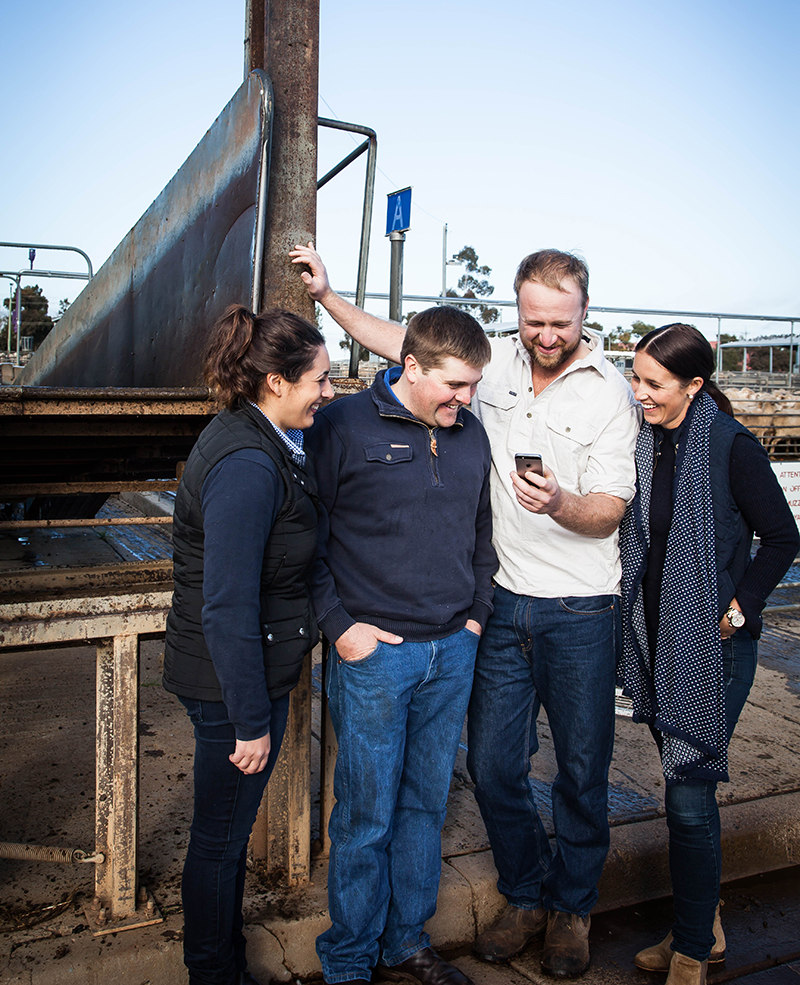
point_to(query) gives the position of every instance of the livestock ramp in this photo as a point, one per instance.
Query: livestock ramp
(143, 319)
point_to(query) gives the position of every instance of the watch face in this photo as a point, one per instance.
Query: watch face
(735, 617)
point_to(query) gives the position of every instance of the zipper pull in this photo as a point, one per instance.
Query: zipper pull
(433, 443)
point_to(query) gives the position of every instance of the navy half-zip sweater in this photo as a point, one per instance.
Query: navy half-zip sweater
(409, 542)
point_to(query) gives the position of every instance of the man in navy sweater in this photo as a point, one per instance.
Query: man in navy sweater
(403, 590)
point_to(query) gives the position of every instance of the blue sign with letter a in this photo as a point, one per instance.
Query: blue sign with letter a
(398, 211)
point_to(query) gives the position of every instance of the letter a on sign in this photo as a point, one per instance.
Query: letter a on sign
(398, 212)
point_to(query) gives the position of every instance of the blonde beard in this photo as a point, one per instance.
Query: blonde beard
(557, 358)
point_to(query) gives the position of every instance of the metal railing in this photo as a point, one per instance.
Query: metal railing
(17, 277)
(371, 146)
(60, 274)
(50, 246)
(672, 313)
(115, 626)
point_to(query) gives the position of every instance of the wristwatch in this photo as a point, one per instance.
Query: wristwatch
(735, 617)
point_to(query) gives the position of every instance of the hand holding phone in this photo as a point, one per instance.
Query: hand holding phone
(528, 463)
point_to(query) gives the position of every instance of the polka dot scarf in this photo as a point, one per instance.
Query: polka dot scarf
(684, 698)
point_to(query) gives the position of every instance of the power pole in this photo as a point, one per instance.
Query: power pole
(282, 38)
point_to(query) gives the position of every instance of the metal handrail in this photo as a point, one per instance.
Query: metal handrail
(437, 299)
(262, 194)
(49, 246)
(371, 146)
(17, 275)
(666, 312)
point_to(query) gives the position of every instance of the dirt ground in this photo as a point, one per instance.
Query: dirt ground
(47, 783)
(47, 779)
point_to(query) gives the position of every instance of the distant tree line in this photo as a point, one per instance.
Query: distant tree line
(35, 318)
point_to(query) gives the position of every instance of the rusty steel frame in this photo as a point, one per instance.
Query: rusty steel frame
(12, 489)
(118, 521)
(74, 441)
(144, 317)
(90, 577)
(115, 625)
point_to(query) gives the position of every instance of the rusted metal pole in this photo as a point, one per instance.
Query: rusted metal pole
(104, 764)
(282, 37)
(125, 810)
(116, 818)
(397, 240)
(282, 833)
(255, 17)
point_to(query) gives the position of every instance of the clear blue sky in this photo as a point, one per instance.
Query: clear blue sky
(658, 139)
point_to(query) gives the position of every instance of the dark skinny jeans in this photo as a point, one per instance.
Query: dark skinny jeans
(695, 853)
(225, 806)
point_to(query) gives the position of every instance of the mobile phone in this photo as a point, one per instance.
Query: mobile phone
(528, 463)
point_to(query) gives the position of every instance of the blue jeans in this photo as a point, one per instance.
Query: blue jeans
(695, 854)
(225, 806)
(557, 653)
(398, 716)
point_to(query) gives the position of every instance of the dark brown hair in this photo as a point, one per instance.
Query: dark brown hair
(436, 333)
(685, 353)
(244, 348)
(552, 268)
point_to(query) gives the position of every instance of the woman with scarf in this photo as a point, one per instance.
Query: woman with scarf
(692, 601)
(245, 536)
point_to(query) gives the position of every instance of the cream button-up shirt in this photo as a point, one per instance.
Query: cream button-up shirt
(584, 425)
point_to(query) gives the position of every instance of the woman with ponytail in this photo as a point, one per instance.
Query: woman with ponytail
(244, 537)
(692, 601)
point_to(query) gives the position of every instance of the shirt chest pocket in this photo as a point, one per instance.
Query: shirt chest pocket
(499, 398)
(572, 441)
(579, 432)
(387, 453)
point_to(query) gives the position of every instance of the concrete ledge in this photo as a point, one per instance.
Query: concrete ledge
(757, 836)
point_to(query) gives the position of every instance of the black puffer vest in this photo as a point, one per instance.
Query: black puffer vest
(289, 629)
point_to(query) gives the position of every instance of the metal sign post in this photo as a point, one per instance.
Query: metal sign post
(398, 221)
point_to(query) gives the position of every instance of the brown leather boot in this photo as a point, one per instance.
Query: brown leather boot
(686, 971)
(566, 945)
(510, 934)
(658, 957)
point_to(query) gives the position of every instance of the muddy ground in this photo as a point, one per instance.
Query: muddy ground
(47, 747)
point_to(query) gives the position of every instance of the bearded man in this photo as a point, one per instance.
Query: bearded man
(552, 639)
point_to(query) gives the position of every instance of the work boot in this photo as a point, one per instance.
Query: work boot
(566, 945)
(686, 971)
(424, 967)
(658, 957)
(510, 934)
